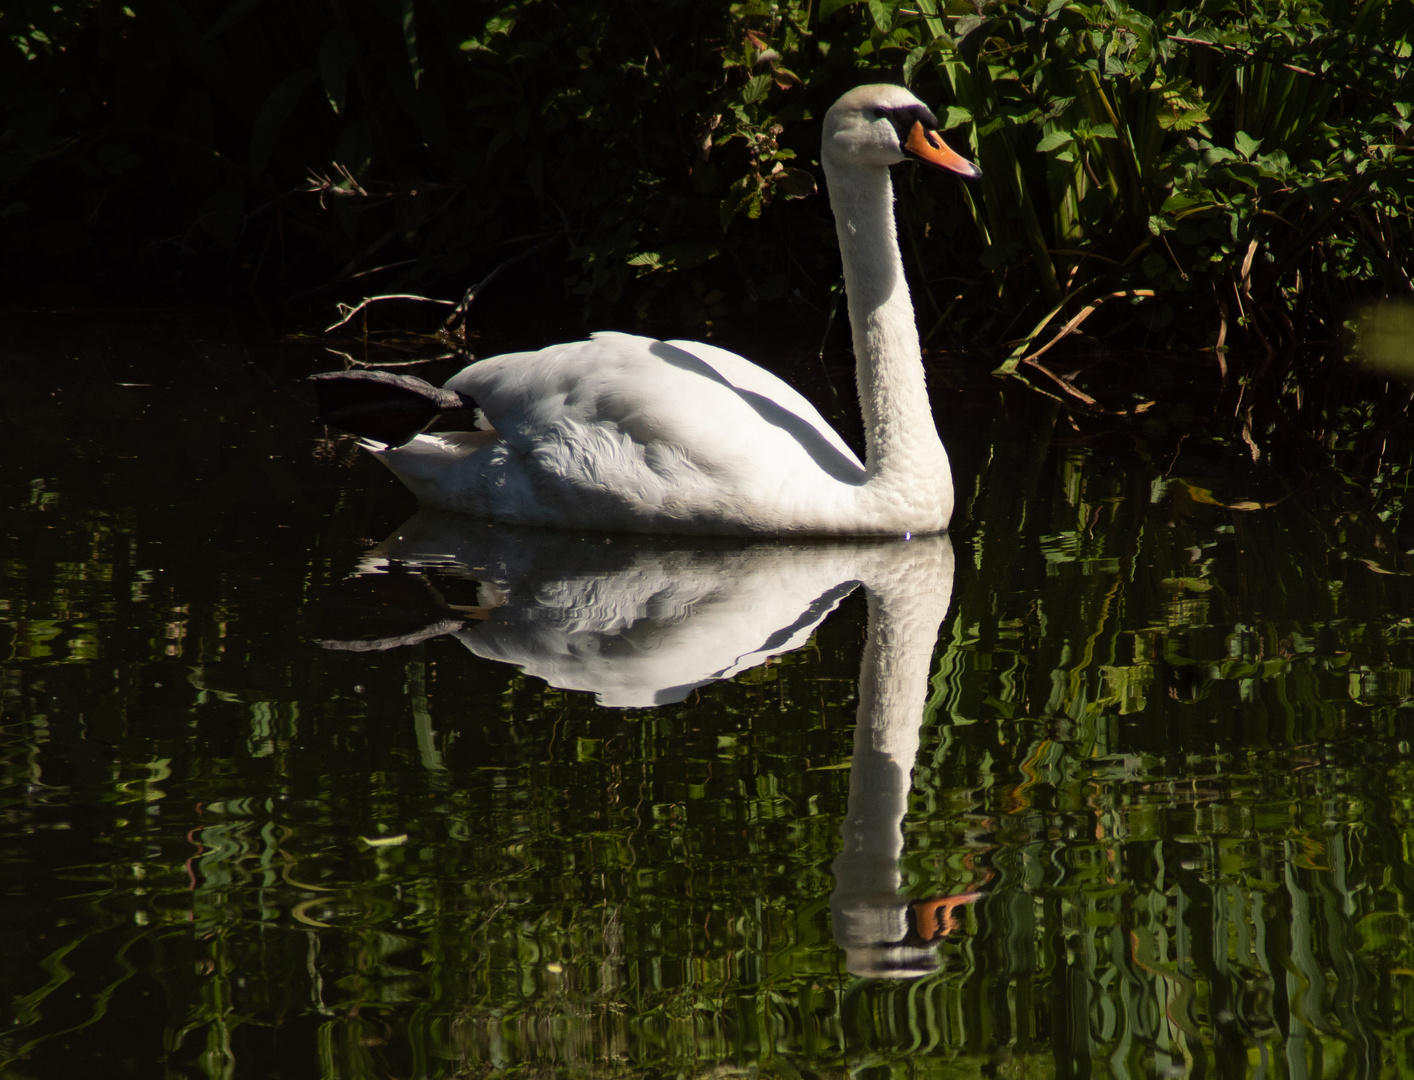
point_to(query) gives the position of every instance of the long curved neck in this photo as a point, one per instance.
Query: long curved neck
(899, 431)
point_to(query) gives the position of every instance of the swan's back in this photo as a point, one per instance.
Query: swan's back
(652, 390)
(621, 431)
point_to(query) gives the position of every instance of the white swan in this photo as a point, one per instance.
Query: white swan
(627, 433)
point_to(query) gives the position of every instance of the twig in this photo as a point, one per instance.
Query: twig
(349, 361)
(322, 185)
(1067, 387)
(353, 277)
(472, 293)
(350, 310)
(1251, 55)
(1084, 314)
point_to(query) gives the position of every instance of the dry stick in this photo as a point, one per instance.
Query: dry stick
(1251, 55)
(475, 290)
(1221, 348)
(1067, 329)
(368, 252)
(408, 262)
(1040, 390)
(350, 362)
(321, 185)
(350, 310)
(362, 274)
(1252, 446)
(1085, 313)
(1067, 387)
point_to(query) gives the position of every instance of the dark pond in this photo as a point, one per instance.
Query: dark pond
(294, 786)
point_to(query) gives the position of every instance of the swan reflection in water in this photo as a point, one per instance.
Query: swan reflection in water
(642, 621)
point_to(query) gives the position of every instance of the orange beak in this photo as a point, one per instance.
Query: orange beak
(929, 146)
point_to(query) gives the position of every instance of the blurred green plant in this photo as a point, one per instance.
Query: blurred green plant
(1386, 338)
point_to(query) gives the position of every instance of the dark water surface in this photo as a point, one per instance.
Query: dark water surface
(286, 791)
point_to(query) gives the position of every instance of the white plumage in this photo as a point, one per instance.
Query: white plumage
(627, 433)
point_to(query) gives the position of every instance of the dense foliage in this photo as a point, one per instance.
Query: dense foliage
(1193, 172)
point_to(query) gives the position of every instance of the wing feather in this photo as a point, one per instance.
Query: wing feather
(715, 409)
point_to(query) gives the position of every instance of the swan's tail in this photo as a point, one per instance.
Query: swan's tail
(390, 409)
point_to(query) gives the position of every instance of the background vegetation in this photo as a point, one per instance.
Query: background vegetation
(1197, 174)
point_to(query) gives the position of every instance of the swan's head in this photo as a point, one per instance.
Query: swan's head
(882, 125)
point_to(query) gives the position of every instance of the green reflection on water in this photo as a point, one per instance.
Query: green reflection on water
(1166, 740)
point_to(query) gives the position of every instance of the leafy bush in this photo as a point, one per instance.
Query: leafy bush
(1237, 161)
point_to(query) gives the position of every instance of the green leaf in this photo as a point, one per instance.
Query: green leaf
(1054, 140)
(967, 24)
(756, 89)
(793, 183)
(916, 57)
(1179, 201)
(273, 114)
(679, 256)
(1180, 94)
(1186, 120)
(1242, 174)
(1246, 145)
(829, 7)
(1276, 164)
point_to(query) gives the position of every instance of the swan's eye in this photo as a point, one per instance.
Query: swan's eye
(881, 112)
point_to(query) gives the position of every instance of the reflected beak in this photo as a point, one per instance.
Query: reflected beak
(929, 146)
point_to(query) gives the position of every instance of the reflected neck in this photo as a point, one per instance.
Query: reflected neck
(907, 602)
